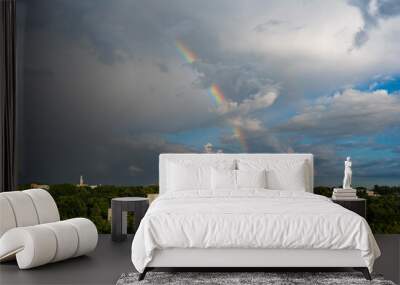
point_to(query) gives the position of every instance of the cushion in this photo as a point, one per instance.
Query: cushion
(251, 178)
(45, 205)
(186, 174)
(183, 178)
(7, 220)
(67, 240)
(281, 174)
(87, 235)
(23, 208)
(223, 179)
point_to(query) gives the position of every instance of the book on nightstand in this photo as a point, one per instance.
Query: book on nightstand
(344, 194)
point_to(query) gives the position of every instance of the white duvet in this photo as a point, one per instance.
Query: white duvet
(250, 219)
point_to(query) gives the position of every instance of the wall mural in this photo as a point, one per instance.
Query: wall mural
(106, 86)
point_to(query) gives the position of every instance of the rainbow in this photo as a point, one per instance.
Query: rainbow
(219, 99)
(216, 92)
(186, 52)
(239, 135)
(217, 95)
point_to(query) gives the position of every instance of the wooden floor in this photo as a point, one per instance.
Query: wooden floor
(110, 260)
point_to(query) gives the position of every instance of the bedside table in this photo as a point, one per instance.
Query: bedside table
(119, 208)
(358, 206)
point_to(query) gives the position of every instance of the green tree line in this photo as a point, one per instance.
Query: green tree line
(383, 209)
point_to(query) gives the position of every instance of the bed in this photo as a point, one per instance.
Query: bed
(246, 211)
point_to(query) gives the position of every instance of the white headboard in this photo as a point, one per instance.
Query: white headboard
(307, 157)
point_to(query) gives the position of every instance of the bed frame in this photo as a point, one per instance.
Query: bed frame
(243, 259)
(246, 258)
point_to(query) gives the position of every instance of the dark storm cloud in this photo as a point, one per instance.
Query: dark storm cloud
(134, 160)
(104, 83)
(270, 23)
(274, 24)
(78, 109)
(113, 32)
(163, 67)
(382, 167)
(372, 11)
(239, 78)
(32, 71)
(56, 158)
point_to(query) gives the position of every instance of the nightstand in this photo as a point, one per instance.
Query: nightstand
(358, 206)
(119, 208)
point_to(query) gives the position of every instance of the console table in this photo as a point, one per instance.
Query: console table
(119, 208)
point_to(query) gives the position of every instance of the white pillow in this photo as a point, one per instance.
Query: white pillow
(181, 177)
(281, 174)
(188, 174)
(223, 179)
(251, 178)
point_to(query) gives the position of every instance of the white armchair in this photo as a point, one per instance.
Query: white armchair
(31, 230)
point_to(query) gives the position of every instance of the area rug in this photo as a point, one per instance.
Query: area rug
(269, 278)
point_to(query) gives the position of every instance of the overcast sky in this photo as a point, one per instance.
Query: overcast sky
(105, 86)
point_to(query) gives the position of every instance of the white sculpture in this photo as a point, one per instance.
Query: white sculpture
(208, 148)
(347, 174)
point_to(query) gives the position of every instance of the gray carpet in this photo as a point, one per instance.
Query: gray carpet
(269, 278)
